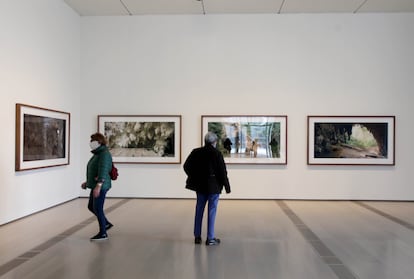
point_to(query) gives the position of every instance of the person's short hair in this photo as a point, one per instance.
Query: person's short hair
(99, 138)
(210, 138)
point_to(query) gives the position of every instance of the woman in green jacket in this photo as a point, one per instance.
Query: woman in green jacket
(99, 181)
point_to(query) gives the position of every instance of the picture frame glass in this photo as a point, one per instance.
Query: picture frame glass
(42, 137)
(142, 139)
(351, 140)
(249, 139)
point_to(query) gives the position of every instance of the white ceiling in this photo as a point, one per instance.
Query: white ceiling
(153, 7)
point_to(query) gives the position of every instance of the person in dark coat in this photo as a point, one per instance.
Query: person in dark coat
(207, 175)
(227, 145)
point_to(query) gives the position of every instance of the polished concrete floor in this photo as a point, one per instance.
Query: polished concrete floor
(260, 239)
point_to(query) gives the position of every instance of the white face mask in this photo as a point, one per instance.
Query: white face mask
(94, 144)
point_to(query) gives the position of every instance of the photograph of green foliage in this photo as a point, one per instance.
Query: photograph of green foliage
(142, 139)
(351, 140)
(249, 139)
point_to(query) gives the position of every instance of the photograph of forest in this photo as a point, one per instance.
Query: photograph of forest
(138, 139)
(44, 138)
(351, 140)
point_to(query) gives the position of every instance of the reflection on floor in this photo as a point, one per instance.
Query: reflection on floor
(152, 238)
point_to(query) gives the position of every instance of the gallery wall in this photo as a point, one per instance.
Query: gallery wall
(295, 65)
(40, 54)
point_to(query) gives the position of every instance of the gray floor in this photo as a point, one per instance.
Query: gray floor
(260, 239)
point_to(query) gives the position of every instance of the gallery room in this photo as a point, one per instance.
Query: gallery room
(293, 86)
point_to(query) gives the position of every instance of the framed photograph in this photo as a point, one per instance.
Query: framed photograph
(143, 139)
(260, 139)
(42, 137)
(351, 140)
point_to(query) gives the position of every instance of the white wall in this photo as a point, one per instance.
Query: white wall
(39, 65)
(295, 65)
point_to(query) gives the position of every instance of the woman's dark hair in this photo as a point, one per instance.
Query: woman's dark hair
(99, 138)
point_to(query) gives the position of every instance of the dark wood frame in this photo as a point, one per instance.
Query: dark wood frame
(341, 121)
(25, 115)
(152, 157)
(246, 157)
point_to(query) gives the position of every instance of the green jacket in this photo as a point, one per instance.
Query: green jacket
(98, 168)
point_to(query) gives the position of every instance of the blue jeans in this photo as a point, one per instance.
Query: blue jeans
(96, 206)
(202, 199)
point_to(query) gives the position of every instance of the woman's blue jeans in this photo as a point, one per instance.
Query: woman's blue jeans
(202, 199)
(96, 206)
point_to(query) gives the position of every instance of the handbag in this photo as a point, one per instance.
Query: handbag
(113, 173)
